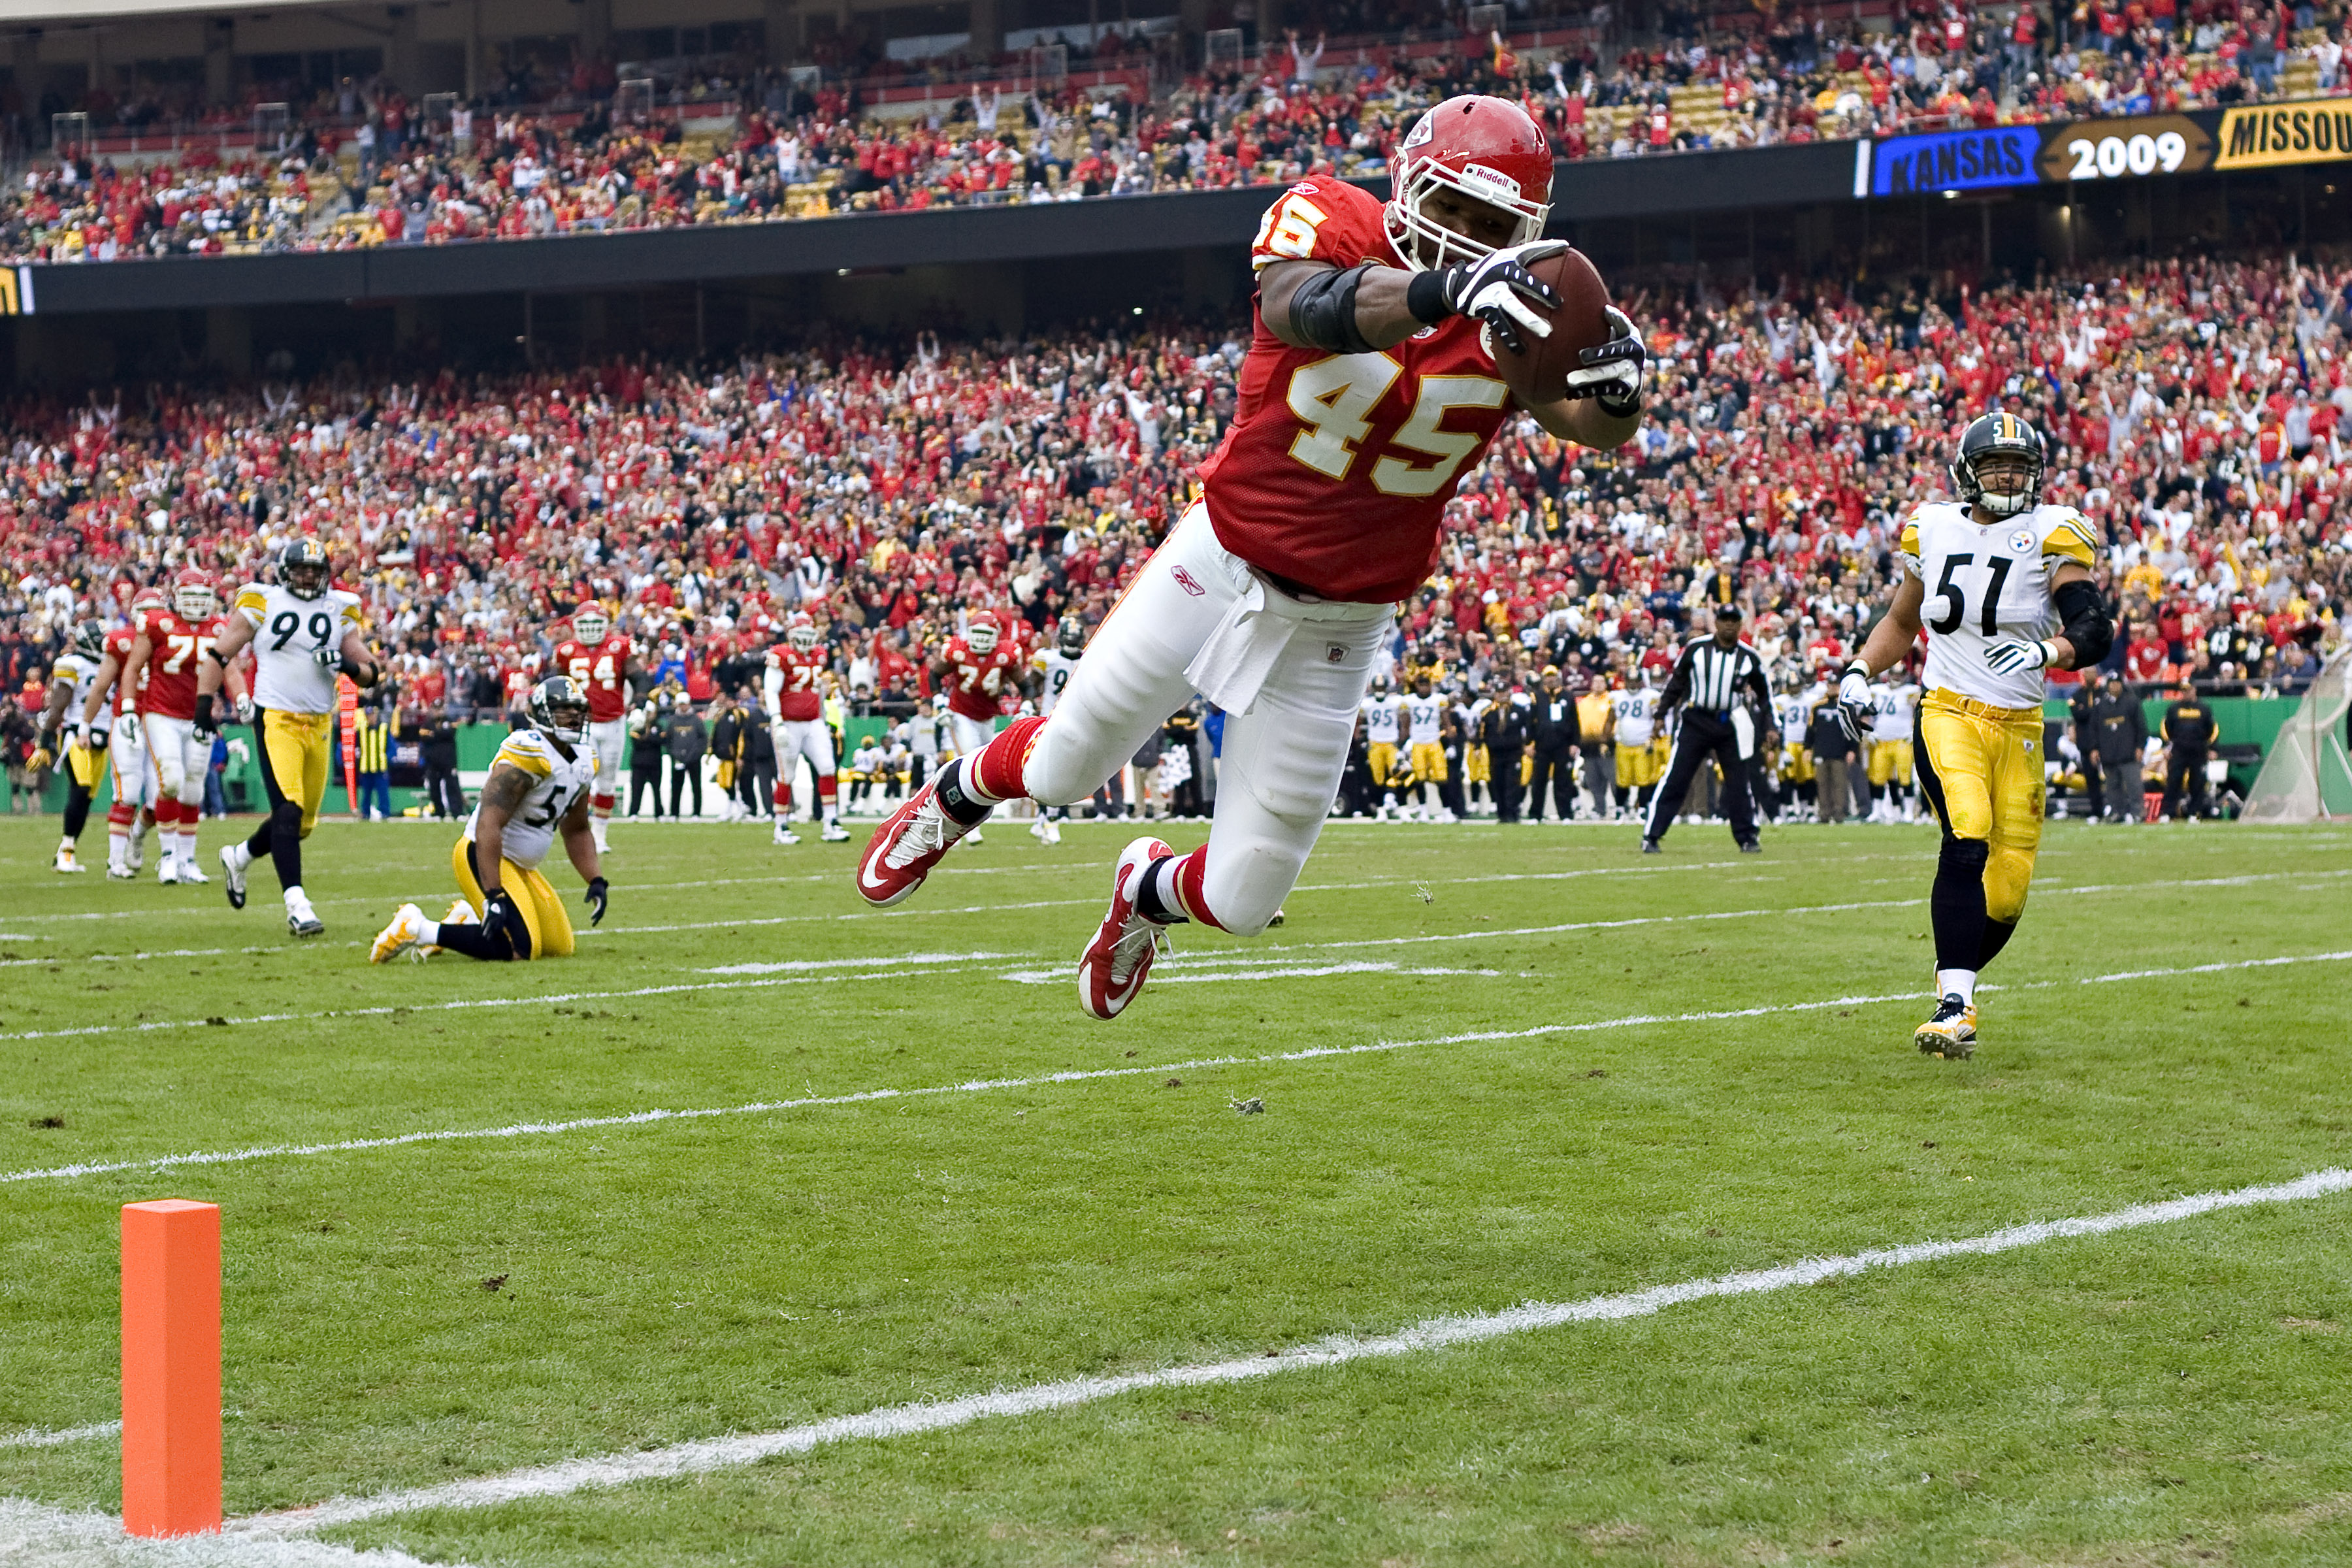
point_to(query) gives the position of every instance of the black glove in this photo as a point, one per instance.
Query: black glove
(600, 893)
(1496, 289)
(1614, 373)
(500, 919)
(202, 732)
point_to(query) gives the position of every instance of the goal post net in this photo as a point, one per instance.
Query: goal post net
(2307, 776)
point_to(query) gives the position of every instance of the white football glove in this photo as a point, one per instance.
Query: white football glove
(245, 709)
(2011, 655)
(1492, 287)
(1855, 705)
(126, 728)
(1616, 372)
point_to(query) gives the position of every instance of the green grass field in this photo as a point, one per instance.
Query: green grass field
(403, 1316)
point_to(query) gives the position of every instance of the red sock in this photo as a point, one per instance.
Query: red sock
(828, 790)
(602, 804)
(118, 817)
(784, 800)
(1192, 872)
(995, 773)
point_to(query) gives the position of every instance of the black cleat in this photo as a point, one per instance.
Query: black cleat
(1651, 847)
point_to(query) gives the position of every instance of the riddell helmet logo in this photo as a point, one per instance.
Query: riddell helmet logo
(1502, 184)
(1186, 581)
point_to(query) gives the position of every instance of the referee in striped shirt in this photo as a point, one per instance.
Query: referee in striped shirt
(1713, 677)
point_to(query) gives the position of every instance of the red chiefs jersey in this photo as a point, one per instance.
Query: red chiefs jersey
(167, 684)
(977, 684)
(802, 696)
(603, 670)
(118, 643)
(1337, 467)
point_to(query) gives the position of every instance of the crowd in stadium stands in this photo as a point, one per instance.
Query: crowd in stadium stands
(2199, 414)
(367, 169)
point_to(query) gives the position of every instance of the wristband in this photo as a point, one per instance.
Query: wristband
(203, 711)
(1424, 299)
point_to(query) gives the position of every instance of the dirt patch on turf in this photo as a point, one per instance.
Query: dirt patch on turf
(2333, 1510)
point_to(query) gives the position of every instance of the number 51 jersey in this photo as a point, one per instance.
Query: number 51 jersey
(1336, 469)
(1997, 579)
(287, 633)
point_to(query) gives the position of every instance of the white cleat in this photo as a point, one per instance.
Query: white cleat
(137, 858)
(972, 836)
(234, 859)
(405, 934)
(122, 873)
(66, 863)
(303, 920)
(167, 872)
(784, 834)
(188, 873)
(1045, 830)
(833, 832)
(461, 913)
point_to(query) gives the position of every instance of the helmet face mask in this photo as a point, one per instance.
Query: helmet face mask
(557, 709)
(981, 637)
(590, 624)
(800, 632)
(194, 597)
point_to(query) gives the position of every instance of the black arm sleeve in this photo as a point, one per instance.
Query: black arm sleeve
(2087, 626)
(1323, 312)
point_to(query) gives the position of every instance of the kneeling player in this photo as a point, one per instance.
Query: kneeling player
(539, 786)
(2006, 570)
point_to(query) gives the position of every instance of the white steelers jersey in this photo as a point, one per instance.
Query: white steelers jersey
(1425, 713)
(1790, 713)
(287, 633)
(1997, 579)
(557, 782)
(83, 673)
(1380, 721)
(1890, 710)
(1637, 716)
(1058, 668)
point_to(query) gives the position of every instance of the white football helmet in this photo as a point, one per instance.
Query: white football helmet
(591, 625)
(800, 631)
(981, 637)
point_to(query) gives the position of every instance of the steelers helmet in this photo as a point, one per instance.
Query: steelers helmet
(557, 709)
(1072, 637)
(90, 640)
(1994, 434)
(303, 567)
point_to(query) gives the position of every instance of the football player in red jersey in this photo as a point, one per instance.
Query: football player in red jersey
(977, 671)
(137, 790)
(1368, 389)
(799, 670)
(602, 660)
(160, 670)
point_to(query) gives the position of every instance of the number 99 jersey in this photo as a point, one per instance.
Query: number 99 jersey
(288, 634)
(1337, 467)
(1996, 580)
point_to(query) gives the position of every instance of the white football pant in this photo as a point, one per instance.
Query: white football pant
(1282, 760)
(798, 738)
(181, 763)
(968, 735)
(608, 740)
(135, 779)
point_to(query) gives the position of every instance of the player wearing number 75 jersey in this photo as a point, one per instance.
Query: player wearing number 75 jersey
(1366, 393)
(1991, 576)
(303, 634)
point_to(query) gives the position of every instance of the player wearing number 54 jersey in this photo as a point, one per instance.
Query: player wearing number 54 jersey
(1368, 389)
(600, 661)
(304, 635)
(1991, 577)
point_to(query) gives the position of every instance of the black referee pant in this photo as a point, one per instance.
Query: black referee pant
(1705, 735)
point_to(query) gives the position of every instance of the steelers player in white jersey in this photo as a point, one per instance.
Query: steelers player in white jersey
(1893, 701)
(1632, 725)
(1055, 666)
(1425, 718)
(538, 790)
(60, 739)
(2004, 584)
(1381, 710)
(304, 633)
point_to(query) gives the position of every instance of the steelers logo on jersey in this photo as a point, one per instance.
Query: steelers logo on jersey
(2021, 541)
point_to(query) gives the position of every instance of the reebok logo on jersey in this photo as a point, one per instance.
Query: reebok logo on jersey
(1186, 581)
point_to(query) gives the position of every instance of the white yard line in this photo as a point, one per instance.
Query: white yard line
(701, 1458)
(977, 1085)
(34, 1535)
(1219, 975)
(45, 1437)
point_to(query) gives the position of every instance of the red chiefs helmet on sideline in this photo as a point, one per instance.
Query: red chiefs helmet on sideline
(1485, 148)
(195, 595)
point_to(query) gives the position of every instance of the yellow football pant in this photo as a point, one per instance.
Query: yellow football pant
(1382, 755)
(1796, 764)
(542, 911)
(1429, 763)
(1980, 769)
(1892, 760)
(1477, 766)
(1637, 766)
(294, 751)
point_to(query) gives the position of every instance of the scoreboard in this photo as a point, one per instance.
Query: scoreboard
(2251, 136)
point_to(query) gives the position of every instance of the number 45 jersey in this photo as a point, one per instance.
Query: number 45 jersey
(287, 633)
(1998, 580)
(1336, 469)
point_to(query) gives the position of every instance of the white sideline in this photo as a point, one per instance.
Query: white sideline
(1078, 1075)
(33, 1535)
(1432, 1333)
(44, 1438)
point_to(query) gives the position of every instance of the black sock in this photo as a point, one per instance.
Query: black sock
(1155, 895)
(468, 939)
(285, 852)
(962, 807)
(259, 846)
(77, 809)
(1957, 904)
(1996, 937)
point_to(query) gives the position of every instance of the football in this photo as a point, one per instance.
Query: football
(1581, 322)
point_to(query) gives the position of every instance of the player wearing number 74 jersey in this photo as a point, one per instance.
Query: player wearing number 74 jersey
(1992, 575)
(1368, 389)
